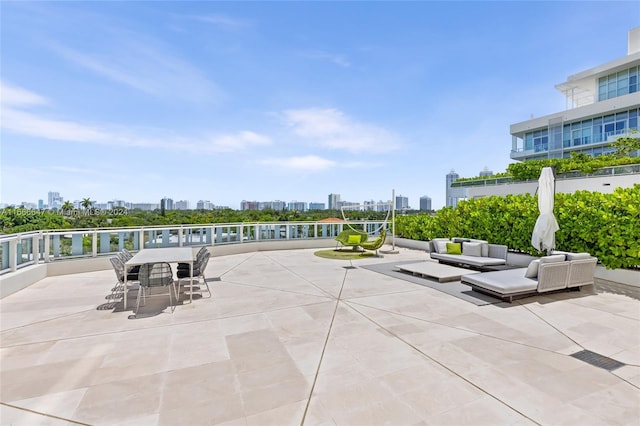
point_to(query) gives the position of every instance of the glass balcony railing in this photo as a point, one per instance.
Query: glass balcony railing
(605, 171)
(20, 250)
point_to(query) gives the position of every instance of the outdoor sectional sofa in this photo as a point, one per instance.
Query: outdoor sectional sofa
(549, 273)
(474, 254)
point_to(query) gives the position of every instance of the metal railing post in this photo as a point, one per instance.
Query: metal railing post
(94, 244)
(35, 249)
(47, 246)
(13, 255)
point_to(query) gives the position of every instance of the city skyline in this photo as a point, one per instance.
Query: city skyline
(231, 100)
(55, 201)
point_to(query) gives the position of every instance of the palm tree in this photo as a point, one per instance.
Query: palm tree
(67, 207)
(86, 203)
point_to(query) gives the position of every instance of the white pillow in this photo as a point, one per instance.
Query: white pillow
(441, 246)
(472, 249)
(532, 269)
(553, 258)
(485, 249)
(578, 256)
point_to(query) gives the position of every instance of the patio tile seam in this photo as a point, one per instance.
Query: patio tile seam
(302, 277)
(461, 377)
(251, 256)
(277, 289)
(604, 311)
(163, 326)
(324, 348)
(346, 299)
(477, 333)
(49, 416)
(45, 321)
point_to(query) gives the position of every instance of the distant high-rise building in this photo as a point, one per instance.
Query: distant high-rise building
(168, 203)
(298, 205)
(402, 203)
(145, 206)
(452, 194)
(316, 206)
(425, 203)
(40, 204)
(334, 201)
(272, 205)
(369, 205)
(54, 199)
(204, 205)
(486, 172)
(181, 205)
(248, 205)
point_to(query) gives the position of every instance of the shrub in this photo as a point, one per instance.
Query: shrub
(605, 225)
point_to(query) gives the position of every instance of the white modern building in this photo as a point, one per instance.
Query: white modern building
(602, 105)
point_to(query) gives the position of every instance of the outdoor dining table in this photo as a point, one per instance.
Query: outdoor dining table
(160, 255)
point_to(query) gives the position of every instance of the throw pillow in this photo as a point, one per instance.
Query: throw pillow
(354, 239)
(441, 246)
(578, 256)
(532, 269)
(454, 248)
(472, 249)
(460, 240)
(485, 249)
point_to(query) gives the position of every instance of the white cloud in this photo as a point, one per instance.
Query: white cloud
(146, 69)
(16, 96)
(20, 121)
(25, 123)
(237, 141)
(305, 163)
(333, 129)
(337, 59)
(221, 21)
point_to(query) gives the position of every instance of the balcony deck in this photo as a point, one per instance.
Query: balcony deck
(290, 338)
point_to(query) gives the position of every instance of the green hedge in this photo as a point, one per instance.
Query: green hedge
(605, 225)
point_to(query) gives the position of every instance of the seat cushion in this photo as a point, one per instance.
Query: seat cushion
(504, 282)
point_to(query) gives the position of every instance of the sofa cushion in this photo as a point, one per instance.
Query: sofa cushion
(553, 258)
(469, 260)
(440, 246)
(503, 282)
(472, 249)
(454, 248)
(436, 245)
(532, 269)
(577, 256)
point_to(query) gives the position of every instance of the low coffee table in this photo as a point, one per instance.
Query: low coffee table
(434, 270)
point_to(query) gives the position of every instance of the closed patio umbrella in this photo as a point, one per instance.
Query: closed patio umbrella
(544, 232)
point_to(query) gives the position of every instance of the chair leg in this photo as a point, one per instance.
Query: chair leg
(204, 280)
(140, 290)
(171, 297)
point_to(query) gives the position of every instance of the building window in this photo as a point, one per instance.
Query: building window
(618, 84)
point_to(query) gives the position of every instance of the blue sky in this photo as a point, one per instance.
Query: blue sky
(226, 101)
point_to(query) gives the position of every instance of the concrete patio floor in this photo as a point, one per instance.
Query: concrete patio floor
(289, 338)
